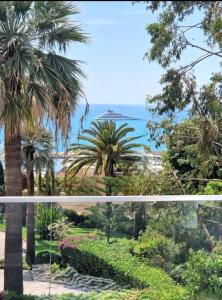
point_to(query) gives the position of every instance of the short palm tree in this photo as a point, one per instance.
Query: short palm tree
(35, 82)
(36, 145)
(107, 148)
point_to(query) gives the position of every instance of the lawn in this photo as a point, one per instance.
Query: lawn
(42, 245)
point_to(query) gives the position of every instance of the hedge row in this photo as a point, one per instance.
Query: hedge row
(98, 258)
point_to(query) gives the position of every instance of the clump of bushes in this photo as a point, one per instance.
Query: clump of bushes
(43, 257)
(45, 216)
(203, 272)
(98, 258)
(157, 249)
(73, 217)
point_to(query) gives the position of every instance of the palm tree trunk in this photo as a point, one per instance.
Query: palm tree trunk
(30, 217)
(40, 182)
(47, 185)
(13, 274)
(53, 180)
(139, 223)
(108, 214)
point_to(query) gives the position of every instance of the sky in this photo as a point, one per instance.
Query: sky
(116, 70)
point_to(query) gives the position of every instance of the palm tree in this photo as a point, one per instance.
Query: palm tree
(107, 148)
(36, 145)
(35, 82)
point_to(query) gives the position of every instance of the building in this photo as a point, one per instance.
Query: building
(153, 161)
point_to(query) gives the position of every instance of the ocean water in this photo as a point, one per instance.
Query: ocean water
(137, 111)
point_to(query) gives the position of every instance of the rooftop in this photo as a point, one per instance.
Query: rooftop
(111, 115)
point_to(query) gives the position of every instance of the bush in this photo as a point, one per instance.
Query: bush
(203, 272)
(45, 215)
(74, 217)
(59, 228)
(218, 249)
(159, 250)
(98, 258)
(43, 257)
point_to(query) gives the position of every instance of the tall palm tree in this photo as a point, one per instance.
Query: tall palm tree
(36, 145)
(34, 82)
(108, 148)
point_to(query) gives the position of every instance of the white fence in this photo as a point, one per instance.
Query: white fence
(93, 199)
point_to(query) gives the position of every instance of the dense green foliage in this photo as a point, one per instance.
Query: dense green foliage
(157, 249)
(203, 272)
(46, 257)
(113, 261)
(45, 216)
(109, 148)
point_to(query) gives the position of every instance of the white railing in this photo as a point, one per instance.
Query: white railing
(74, 199)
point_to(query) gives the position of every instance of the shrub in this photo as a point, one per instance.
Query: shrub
(98, 258)
(55, 268)
(43, 257)
(159, 250)
(218, 249)
(203, 272)
(59, 228)
(74, 217)
(45, 215)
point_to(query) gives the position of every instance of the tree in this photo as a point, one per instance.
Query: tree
(36, 145)
(35, 83)
(171, 36)
(107, 148)
(191, 154)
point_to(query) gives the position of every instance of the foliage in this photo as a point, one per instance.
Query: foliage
(157, 249)
(45, 257)
(113, 261)
(37, 145)
(218, 249)
(108, 147)
(82, 186)
(73, 217)
(203, 272)
(45, 216)
(121, 221)
(191, 155)
(213, 188)
(55, 268)
(170, 40)
(59, 228)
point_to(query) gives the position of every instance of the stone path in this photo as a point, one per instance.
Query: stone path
(40, 288)
(70, 278)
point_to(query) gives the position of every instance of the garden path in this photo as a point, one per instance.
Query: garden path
(39, 288)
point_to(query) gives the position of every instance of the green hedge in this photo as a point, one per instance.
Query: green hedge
(98, 258)
(43, 257)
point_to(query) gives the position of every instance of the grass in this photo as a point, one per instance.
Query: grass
(42, 245)
(73, 231)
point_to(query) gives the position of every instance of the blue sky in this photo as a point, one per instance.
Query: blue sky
(116, 70)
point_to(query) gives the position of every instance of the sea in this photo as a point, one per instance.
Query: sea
(139, 112)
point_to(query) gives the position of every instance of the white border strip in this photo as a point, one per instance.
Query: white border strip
(75, 199)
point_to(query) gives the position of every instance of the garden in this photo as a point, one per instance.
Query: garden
(109, 250)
